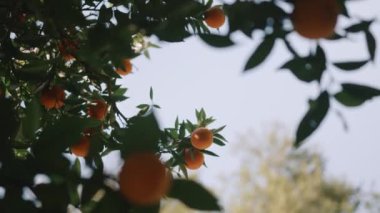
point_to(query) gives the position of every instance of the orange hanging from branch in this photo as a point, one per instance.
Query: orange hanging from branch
(52, 97)
(214, 17)
(143, 179)
(315, 19)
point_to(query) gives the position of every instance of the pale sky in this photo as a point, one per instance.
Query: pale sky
(190, 75)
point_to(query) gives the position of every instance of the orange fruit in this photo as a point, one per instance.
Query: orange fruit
(315, 19)
(67, 48)
(143, 179)
(98, 109)
(52, 97)
(22, 17)
(214, 17)
(194, 158)
(127, 68)
(81, 148)
(201, 138)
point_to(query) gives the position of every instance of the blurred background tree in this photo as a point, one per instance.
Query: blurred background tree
(273, 177)
(286, 180)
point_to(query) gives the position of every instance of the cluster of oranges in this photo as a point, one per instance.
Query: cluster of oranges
(144, 179)
(67, 48)
(312, 19)
(53, 98)
(201, 138)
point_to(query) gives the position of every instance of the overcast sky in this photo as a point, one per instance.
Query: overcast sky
(190, 75)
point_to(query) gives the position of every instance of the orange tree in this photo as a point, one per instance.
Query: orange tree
(59, 65)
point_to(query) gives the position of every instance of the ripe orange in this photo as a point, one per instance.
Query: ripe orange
(315, 19)
(98, 109)
(67, 48)
(201, 138)
(194, 158)
(52, 97)
(81, 148)
(143, 179)
(127, 68)
(214, 17)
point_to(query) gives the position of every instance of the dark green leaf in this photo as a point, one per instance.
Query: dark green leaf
(354, 95)
(359, 27)
(343, 8)
(193, 195)
(210, 153)
(141, 135)
(147, 209)
(8, 121)
(309, 68)
(219, 129)
(39, 66)
(105, 14)
(54, 197)
(216, 40)
(313, 118)
(371, 44)
(31, 122)
(261, 53)
(219, 142)
(348, 100)
(151, 93)
(76, 167)
(349, 66)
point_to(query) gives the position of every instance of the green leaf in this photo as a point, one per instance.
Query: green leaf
(313, 118)
(8, 120)
(354, 95)
(343, 8)
(210, 153)
(193, 195)
(219, 142)
(76, 167)
(54, 197)
(36, 66)
(147, 209)
(31, 122)
(218, 129)
(350, 66)
(260, 54)
(217, 40)
(182, 130)
(308, 68)
(371, 44)
(105, 14)
(359, 27)
(151, 93)
(142, 134)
